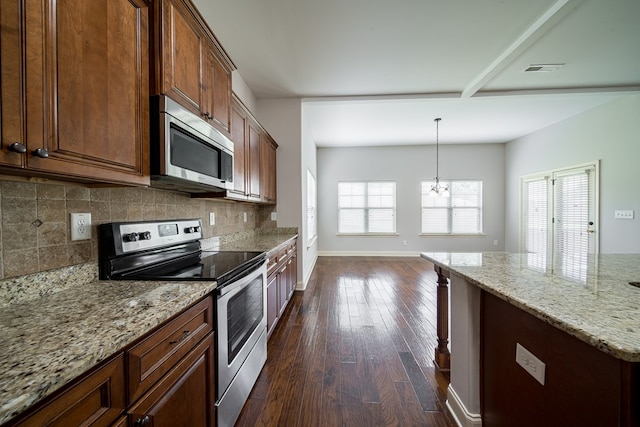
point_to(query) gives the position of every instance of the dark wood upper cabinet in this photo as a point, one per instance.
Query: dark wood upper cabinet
(268, 168)
(253, 190)
(12, 103)
(192, 67)
(75, 81)
(239, 123)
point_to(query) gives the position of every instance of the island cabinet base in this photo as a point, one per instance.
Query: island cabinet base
(582, 385)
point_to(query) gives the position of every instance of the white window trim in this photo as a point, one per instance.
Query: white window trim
(312, 229)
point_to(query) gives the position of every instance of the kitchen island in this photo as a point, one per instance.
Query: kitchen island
(580, 318)
(58, 324)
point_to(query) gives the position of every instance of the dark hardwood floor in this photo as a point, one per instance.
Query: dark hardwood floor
(355, 349)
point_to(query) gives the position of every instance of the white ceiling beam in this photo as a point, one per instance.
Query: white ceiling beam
(559, 10)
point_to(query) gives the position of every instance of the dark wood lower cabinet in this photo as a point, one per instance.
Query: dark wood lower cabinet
(583, 385)
(281, 281)
(171, 378)
(185, 396)
(97, 400)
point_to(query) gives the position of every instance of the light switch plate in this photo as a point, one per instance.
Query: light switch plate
(80, 226)
(623, 214)
(244, 215)
(530, 363)
(212, 218)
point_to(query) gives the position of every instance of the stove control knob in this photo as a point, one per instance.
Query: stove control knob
(146, 235)
(131, 237)
(189, 230)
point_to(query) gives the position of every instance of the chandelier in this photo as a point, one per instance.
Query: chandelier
(437, 189)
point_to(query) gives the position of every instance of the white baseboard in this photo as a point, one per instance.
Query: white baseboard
(372, 253)
(459, 412)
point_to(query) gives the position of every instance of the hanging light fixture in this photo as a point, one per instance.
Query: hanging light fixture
(436, 188)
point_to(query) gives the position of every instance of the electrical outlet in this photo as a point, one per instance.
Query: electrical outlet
(273, 216)
(212, 218)
(623, 214)
(80, 226)
(404, 243)
(495, 243)
(530, 363)
(244, 215)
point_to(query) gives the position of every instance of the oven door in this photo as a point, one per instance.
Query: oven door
(242, 321)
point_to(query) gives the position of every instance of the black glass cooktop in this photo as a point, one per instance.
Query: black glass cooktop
(222, 267)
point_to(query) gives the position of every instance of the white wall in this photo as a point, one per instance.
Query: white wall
(408, 166)
(282, 118)
(240, 88)
(609, 133)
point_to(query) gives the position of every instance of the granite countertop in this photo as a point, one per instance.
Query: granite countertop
(264, 241)
(50, 340)
(56, 325)
(591, 300)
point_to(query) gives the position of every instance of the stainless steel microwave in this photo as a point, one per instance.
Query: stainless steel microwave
(187, 153)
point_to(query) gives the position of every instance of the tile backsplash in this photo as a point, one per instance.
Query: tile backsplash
(35, 230)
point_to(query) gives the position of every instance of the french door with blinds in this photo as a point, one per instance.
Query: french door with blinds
(560, 219)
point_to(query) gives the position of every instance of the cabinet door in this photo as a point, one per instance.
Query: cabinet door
(11, 103)
(217, 95)
(272, 303)
(182, 47)
(268, 169)
(98, 400)
(254, 162)
(238, 136)
(185, 396)
(282, 291)
(86, 88)
(292, 277)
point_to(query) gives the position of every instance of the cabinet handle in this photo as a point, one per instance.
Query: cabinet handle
(143, 421)
(207, 115)
(16, 147)
(183, 337)
(41, 152)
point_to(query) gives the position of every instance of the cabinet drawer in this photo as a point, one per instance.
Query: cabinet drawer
(155, 355)
(98, 400)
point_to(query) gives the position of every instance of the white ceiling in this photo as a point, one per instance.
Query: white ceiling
(375, 72)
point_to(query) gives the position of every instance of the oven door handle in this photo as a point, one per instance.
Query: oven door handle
(242, 280)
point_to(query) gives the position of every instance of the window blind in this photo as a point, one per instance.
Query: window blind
(366, 207)
(573, 213)
(460, 213)
(536, 216)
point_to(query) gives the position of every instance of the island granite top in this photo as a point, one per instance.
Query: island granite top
(590, 298)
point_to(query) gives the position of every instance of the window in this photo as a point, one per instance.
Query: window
(460, 213)
(312, 221)
(366, 207)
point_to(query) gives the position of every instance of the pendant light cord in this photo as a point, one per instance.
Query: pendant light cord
(437, 148)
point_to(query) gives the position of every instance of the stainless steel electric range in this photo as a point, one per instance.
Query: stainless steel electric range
(170, 250)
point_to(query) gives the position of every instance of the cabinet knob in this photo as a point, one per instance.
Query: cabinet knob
(41, 152)
(143, 421)
(16, 147)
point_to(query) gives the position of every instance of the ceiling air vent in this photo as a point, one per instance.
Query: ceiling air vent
(542, 68)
